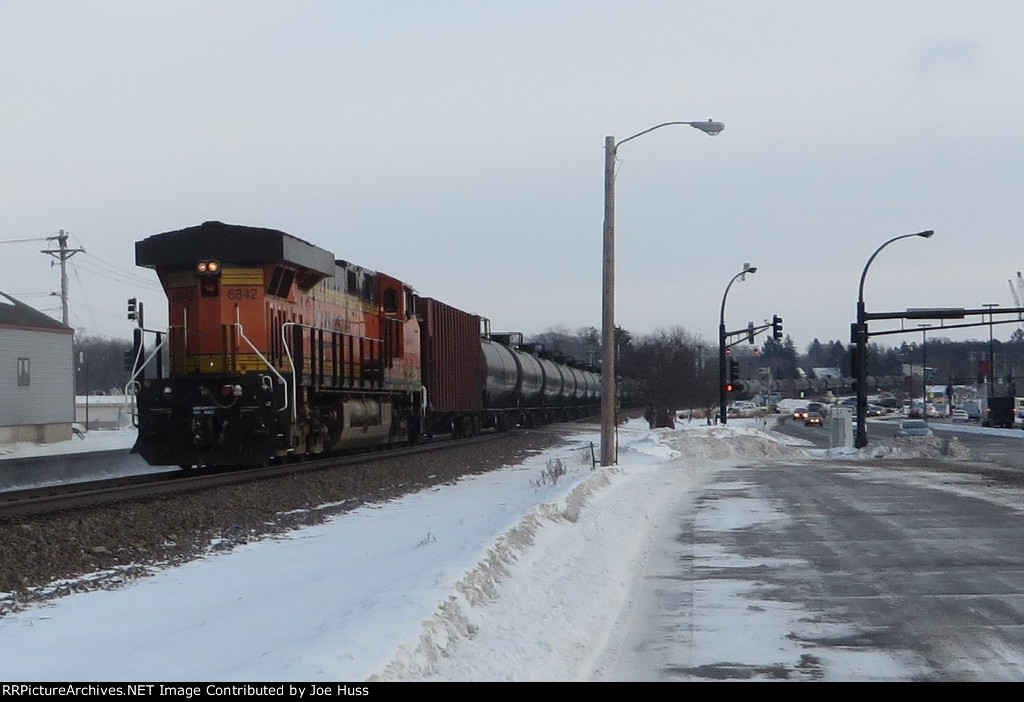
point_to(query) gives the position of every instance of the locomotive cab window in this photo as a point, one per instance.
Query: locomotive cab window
(280, 282)
(369, 288)
(391, 301)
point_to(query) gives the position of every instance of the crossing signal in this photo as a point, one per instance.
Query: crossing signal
(776, 327)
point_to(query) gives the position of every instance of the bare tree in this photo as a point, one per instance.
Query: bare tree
(674, 369)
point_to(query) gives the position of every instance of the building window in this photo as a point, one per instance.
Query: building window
(24, 377)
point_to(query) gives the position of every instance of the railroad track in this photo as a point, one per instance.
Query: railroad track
(84, 495)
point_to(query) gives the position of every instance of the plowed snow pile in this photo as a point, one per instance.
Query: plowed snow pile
(729, 442)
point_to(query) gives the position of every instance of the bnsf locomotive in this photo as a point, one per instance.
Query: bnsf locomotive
(277, 349)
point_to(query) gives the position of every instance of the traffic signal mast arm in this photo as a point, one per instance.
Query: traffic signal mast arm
(748, 333)
(943, 314)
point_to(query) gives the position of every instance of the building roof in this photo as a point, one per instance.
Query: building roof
(14, 314)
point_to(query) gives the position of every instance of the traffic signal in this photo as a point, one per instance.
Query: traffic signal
(132, 355)
(750, 332)
(731, 384)
(776, 326)
(135, 311)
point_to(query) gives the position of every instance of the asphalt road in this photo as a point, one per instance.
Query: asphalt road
(831, 569)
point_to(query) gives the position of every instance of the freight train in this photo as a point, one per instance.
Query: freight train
(275, 349)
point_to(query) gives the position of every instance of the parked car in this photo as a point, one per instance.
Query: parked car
(913, 427)
(742, 408)
(890, 404)
(960, 415)
(813, 420)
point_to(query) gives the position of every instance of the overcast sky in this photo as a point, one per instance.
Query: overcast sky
(460, 146)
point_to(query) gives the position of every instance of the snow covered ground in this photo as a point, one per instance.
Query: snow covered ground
(519, 574)
(86, 443)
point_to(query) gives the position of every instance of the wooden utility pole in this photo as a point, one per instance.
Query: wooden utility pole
(62, 254)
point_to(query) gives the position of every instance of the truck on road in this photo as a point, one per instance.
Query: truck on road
(1001, 412)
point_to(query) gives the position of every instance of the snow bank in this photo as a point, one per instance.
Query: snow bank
(568, 593)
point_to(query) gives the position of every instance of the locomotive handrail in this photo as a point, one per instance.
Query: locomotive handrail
(132, 382)
(241, 333)
(291, 359)
(141, 366)
(291, 362)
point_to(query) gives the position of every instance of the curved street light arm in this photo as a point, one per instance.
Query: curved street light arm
(709, 127)
(860, 291)
(721, 316)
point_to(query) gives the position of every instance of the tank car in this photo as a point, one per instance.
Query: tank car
(276, 349)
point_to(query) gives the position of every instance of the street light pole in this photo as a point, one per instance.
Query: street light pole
(924, 367)
(608, 350)
(991, 354)
(747, 268)
(860, 339)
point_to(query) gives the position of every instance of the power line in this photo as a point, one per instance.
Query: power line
(19, 241)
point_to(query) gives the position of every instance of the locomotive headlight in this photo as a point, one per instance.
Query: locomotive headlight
(209, 278)
(227, 390)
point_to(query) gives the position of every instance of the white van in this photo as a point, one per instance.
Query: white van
(1018, 406)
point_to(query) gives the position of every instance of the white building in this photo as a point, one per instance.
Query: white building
(103, 411)
(37, 393)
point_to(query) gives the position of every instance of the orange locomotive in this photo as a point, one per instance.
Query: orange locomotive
(275, 348)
